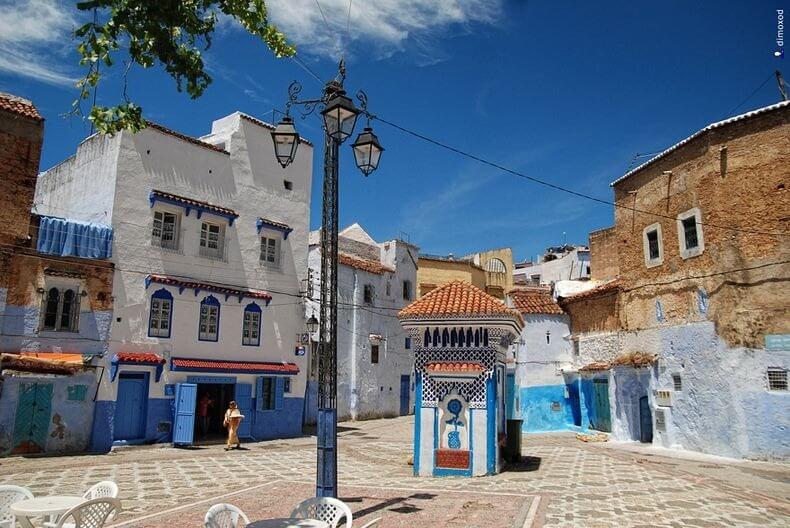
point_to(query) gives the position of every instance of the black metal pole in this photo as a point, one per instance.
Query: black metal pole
(326, 469)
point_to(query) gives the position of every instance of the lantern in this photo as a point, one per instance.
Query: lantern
(286, 140)
(367, 151)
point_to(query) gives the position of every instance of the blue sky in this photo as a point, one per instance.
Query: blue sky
(563, 91)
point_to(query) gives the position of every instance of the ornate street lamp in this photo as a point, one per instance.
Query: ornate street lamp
(286, 141)
(367, 151)
(340, 115)
(312, 324)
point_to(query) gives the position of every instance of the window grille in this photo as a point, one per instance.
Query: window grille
(677, 382)
(661, 423)
(652, 245)
(367, 294)
(209, 319)
(407, 290)
(777, 379)
(251, 327)
(690, 232)
(61, 310)
(159, 322)
(267, 396)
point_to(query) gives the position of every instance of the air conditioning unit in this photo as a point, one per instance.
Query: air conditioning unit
(664, 398)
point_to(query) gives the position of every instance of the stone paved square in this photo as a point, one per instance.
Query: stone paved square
(561, 482)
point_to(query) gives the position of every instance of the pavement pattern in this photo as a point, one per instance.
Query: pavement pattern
(561, 482)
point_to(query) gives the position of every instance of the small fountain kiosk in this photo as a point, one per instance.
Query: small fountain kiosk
(460, 337)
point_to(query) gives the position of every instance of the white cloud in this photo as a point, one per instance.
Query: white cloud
(384, 27)
(29, 32)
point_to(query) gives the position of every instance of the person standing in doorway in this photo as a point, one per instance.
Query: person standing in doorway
(203, 418)
(233, 418)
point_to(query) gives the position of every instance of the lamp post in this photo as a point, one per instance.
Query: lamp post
(339, 118)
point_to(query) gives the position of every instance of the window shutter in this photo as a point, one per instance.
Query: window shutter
(279, 388)
(259, 393)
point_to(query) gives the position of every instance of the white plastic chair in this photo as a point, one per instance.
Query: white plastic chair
(326, 509)
(90, 514)
(225, 516)
(105, 488)
(371, 523)
(10, 494)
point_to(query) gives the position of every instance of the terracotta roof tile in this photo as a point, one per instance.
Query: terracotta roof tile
(535, 301)
(233, 366)
(140, 357)
(273, 223)
(188, 139)
(457, 298)
(598, 290)
(19, 106)
(207, 286)
(371, 266)
(224, 211)
(451, 366)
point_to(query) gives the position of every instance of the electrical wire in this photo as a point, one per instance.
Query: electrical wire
(329, 29)
(302, 64)
(732, 112)
(558, 187)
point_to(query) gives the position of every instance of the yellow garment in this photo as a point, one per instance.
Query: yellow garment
(233, 426)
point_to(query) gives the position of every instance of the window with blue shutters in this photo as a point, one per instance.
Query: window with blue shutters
(251, 326)
(269, 393)
(161, 315)
(208, 329)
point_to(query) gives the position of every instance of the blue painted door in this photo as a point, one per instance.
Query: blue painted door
(243, 397)
(645, 421)
(184, 426)
(31, 423)
(405, 393)
(603, 418)
(130, 406)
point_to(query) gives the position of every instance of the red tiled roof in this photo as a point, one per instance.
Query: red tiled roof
(228, 366)
(188, 139)
(455, 367)
(140, 357)
(19, 106)
(598, 290)
(370, 266)
(269, 126)
(535, 301)
(273, 223)
(194, 203)
(172, 281)
(457, 298)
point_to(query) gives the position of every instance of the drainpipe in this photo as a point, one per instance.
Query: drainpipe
(354, 353)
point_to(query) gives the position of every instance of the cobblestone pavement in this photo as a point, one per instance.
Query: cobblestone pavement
(561, 482)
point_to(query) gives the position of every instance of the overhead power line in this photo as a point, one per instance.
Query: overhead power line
(559, 187)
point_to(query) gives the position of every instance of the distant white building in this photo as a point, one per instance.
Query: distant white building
(556, 264)
(547, 391)
(375, 360)
(210, 248)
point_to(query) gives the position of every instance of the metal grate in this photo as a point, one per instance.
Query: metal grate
(661, 423)
(777, 379)
(677, 382)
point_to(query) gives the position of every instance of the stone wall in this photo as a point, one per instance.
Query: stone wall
(20, 154)
(593, 313)
(603, 254)
(736, 175)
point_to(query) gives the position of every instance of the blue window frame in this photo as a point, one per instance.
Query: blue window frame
(208, 327)
(251, 325)
(160, 317)
(269, 393)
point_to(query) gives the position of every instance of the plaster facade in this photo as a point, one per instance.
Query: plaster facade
(231, 169)
(557, 264)
(370, 384)
(434, 270)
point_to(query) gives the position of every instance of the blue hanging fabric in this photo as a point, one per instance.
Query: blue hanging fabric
(69, 238)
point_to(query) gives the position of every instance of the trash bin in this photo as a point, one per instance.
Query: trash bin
(513, 444)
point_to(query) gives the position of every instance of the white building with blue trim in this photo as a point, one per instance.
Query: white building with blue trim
(210, 248)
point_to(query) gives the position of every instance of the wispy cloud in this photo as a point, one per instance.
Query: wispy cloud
(29, 32)
(384, 27)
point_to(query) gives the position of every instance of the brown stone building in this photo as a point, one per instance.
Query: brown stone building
(700, 245)
(55, 308)
(491, 271)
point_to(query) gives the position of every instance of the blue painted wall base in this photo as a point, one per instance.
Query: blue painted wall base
(537, 412)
